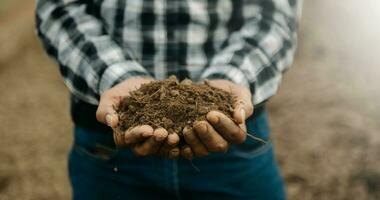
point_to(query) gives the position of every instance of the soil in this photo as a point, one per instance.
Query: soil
(172, 105)
(327, 143)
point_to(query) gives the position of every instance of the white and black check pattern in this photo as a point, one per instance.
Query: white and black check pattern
(99, 43)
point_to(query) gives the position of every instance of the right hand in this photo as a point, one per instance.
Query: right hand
(143, 140)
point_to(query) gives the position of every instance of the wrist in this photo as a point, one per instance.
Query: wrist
(119, 72)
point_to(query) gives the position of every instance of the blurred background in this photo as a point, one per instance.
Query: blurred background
(325, 119)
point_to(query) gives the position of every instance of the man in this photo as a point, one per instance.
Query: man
(105, 49)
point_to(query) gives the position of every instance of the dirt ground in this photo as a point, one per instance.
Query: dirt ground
(325, 119)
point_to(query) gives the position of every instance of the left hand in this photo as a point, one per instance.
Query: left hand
(215, 134)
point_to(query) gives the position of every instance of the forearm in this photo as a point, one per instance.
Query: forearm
(259, 52)
(90, 61)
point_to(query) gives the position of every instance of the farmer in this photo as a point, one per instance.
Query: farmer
(108, 48)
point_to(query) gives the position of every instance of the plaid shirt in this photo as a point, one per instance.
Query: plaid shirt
(99, 43)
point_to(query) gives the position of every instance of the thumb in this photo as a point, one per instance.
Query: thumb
(106, 113)
(243, 108)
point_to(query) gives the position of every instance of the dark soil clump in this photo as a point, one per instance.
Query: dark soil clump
(172, 105)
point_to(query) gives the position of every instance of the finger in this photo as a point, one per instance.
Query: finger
(194, 142)
(145, 148)
(174, 153)
(118, 137)
(208, 136)
(106, 113)
(160, 134)
(137, 134)
(186, 152)
(164, 149)
(226, 127)
(112, 120)
(152, 144)
(173, 139)
(243, 99)
(243, 127)
(243, 109)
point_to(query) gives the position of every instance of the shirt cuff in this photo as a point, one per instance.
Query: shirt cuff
(226, 72)
(119, 72)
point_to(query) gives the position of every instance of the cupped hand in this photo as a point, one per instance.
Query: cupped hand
(219, 131)
(143, 140)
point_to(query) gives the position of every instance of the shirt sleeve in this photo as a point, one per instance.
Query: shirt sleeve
(90, 61)
(257, 54)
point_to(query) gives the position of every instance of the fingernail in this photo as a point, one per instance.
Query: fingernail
(147, 134)
(172, 139)
(109, 119)
(159, 138)
(203, 127)
(119, 139)
(242, 112)
(214, 119)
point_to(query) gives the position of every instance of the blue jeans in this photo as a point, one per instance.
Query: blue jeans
(248, 171)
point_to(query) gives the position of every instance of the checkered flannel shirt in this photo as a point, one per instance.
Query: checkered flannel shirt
(99, 43)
